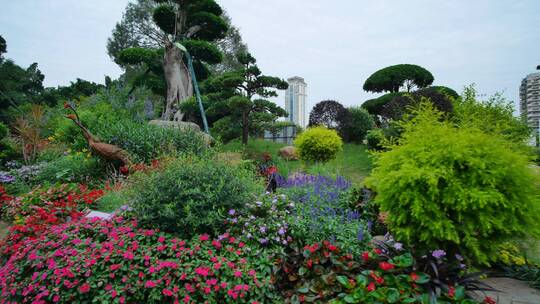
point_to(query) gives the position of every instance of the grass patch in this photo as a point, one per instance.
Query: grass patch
(353, 163)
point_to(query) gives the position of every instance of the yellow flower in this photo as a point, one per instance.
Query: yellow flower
(85, 150)
(50, 138)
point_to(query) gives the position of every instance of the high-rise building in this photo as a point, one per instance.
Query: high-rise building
(529, 105)
(295, 101)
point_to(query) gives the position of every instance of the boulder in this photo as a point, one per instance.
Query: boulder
(288, 153)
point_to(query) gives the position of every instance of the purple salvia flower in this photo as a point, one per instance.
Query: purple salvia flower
(439, 253)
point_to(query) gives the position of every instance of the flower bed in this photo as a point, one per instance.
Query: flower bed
(35, 211)
(106, 261)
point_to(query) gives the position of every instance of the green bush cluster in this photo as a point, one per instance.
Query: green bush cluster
(318, 144)
(146, 142)
(8, 150)
(74, 168)
(191, 195)
(361, 122)
(457, 189)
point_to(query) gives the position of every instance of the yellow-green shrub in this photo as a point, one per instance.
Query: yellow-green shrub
(457, 189)
(318, 144)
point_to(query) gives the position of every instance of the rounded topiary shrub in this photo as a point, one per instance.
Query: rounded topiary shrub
(455, 189)
(318, 144)
(191, 195)
(374, 139)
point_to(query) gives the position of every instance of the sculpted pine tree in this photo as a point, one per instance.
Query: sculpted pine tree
(195, 24)
(391, 78)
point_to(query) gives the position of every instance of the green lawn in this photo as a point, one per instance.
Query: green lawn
(353, 163)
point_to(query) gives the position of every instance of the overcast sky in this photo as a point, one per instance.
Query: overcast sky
(334, 45)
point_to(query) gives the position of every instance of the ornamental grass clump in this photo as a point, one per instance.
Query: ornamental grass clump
(458, 189)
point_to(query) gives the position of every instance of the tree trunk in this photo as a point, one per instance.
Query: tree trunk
(178, 79)
(245, 128)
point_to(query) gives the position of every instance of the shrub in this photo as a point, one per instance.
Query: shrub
(74, 168)
(458, 189)
(318, 144)
(146, 142)
(263, 223)
(361, 123)
(333, 115)
(375, 139)
(191, 195)
(118, 262)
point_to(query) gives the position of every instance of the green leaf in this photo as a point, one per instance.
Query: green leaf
(392, 295)
(343, 280)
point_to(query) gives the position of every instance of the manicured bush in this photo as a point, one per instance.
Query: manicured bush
(318, 144)
(361, 123)
(118, 262)
(457, 189)
(191, 195)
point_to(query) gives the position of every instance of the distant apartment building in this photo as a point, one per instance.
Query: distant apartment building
(295, 101)
(529, 105)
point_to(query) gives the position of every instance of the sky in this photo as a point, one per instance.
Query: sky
(333, 45)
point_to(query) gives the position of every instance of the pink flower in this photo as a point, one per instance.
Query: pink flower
(186, 299)
(84, 288)
(202, 271)
(150, 284)
(204, 237)
(161, 239)
(167, 292)
(237, 274)
(128, 255)
(56, 298)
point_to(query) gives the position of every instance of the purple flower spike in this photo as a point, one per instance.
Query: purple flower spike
(438, 253)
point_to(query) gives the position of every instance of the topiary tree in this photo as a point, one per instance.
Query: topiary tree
(194, 24)
(235, 105)
(458, 189)
(3, 47)
(331, 114)
(375, 106)
(391, 78)
(400, 104)
(361, 122)
(318, 144)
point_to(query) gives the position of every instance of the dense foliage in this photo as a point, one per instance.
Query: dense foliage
(391, 78)
(318, 144)
(321, 212)
(401, 104)
(459, 189)
(191, 195)
(332, 115)
(361, 122)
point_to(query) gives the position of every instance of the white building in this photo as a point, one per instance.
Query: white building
(295, 101)
(529, 105)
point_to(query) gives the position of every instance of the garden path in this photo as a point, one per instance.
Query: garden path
(511, 291)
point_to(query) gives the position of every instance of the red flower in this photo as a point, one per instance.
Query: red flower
(202, 271)
(84, 288)
(332, 248)
(204, 237)
(309, 263)
(489, 300)
(377, 251)
(66, 105)
(271, 170)
(414, 276)
(124, 170)
(451, 292)
(371, 287)
(365, 256)
(386, 266)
